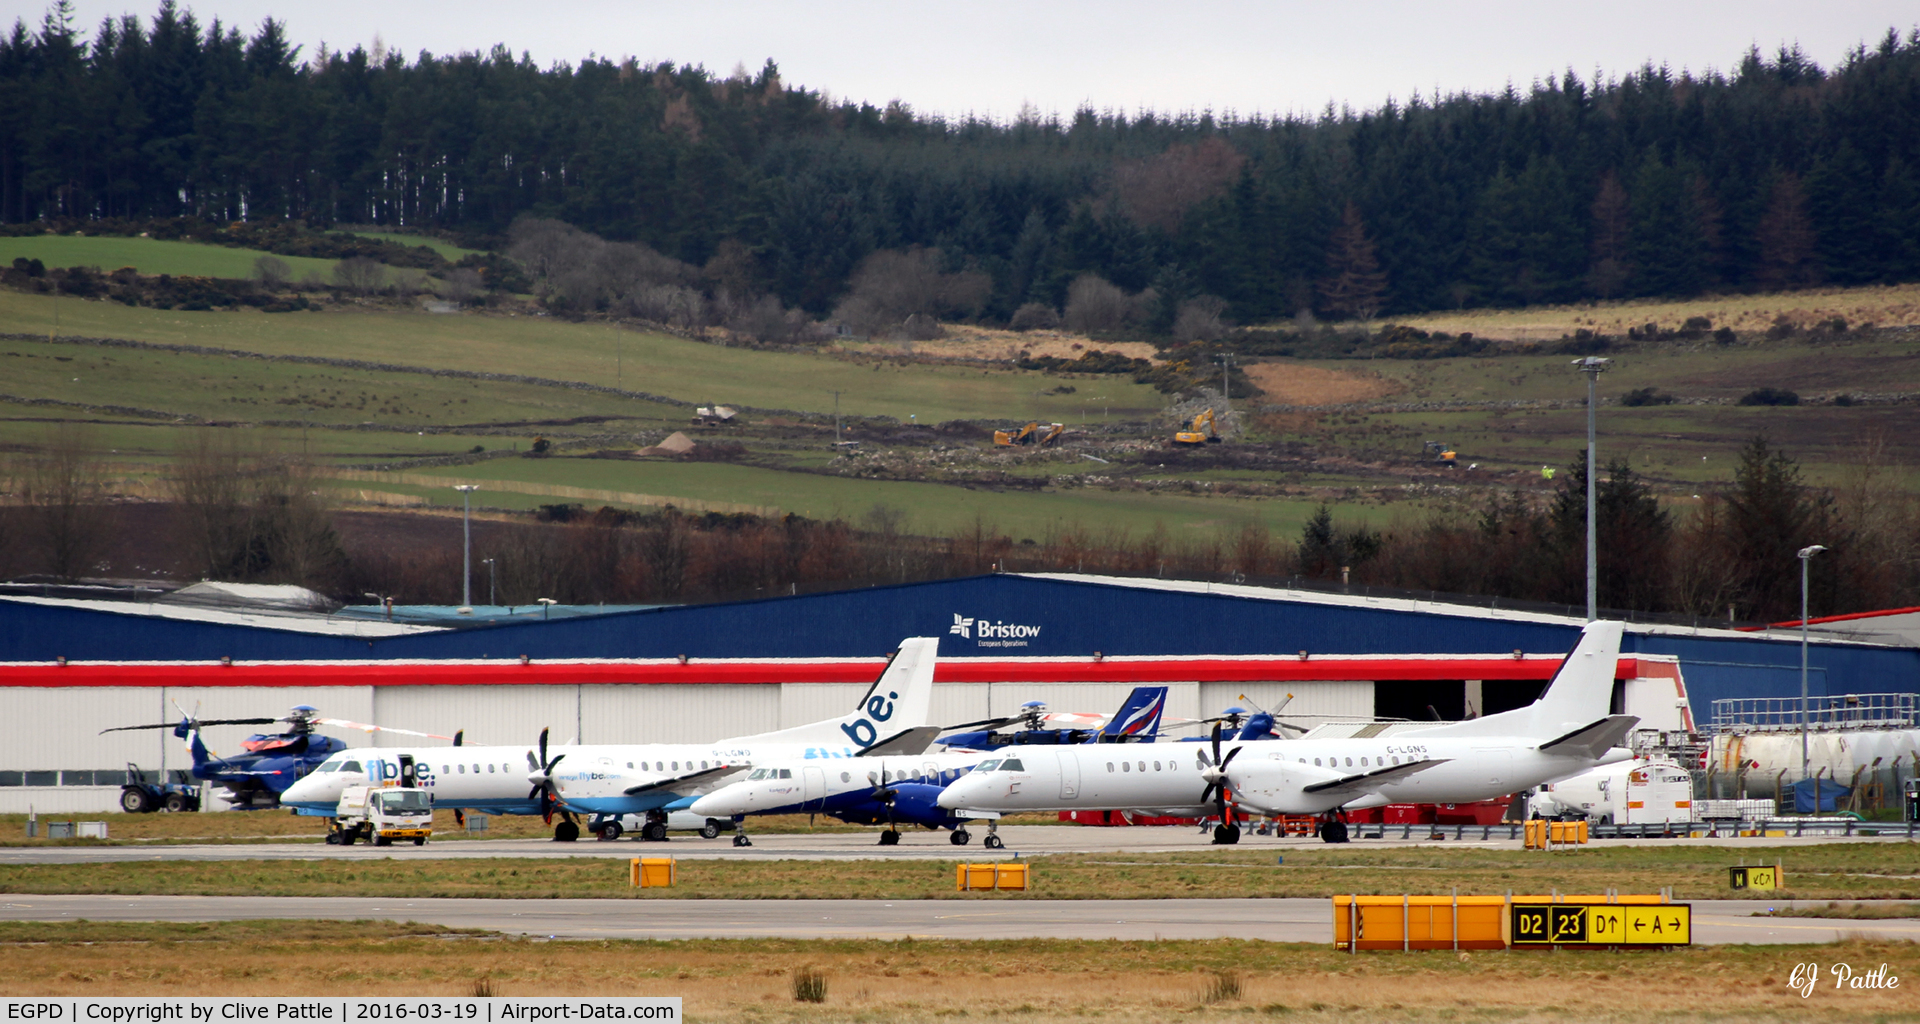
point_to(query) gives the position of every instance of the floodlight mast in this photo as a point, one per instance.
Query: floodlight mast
(1806, 556)
(1593, 367)
(466, 543)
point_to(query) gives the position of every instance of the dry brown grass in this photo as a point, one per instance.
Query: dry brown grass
(966, 342)
(1885, 305)
(1033, 980)
(1290, 383)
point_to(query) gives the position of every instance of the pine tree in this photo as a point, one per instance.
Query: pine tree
(1785, 238)
(1610, 270)
(1355, 286)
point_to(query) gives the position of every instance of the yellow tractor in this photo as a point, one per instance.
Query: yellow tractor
(1033, 433)
(1200, 431)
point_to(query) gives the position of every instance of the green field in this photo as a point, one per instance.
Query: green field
(149, 256)
(597, 353)
(930, 508)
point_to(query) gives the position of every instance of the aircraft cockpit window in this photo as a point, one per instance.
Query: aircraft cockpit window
(786, 773)
(333, 765)
(1012, 764)
(352, 766)
(758, 774)
(987, 766)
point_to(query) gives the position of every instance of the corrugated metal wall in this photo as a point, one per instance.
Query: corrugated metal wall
(1341, 699)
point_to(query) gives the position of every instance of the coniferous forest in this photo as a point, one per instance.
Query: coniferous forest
(1773, 173)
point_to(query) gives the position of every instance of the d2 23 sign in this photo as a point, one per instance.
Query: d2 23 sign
(1602, 924)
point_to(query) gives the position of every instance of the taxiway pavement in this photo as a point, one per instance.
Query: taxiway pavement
(1276, 920)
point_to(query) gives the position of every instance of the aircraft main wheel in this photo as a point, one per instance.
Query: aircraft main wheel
(177, 802)
(1335, 832)
(1220, 835)
(709, 831)
(741, 840)
(890, 838)
(610, 831)
(654, 832)
(959, 837)
(566, 832)
(992, 842)
(135, 801)
(1233, 834)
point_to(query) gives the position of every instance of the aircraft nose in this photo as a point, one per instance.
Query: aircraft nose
(720, 804)
(955, 795)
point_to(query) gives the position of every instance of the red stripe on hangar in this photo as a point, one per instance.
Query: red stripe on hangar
(742, 671)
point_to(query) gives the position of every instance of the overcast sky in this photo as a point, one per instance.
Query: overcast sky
(990, 57)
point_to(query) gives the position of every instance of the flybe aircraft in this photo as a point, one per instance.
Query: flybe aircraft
(1567, 731)
(897, 790)
(611, 779)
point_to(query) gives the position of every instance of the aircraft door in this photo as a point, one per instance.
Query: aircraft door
(813, 791)
(408, 777)
(1069, 775)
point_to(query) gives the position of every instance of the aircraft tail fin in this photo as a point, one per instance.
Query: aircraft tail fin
(1580, 694)
(1139, 715)
(902, 698)
(189, 732)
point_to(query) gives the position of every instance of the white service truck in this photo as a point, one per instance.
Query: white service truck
(1649, 792)
(380, 815)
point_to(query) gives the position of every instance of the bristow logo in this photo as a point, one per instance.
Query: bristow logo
(861, 731)
(994, 633)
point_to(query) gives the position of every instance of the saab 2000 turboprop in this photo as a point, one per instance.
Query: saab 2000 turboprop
(1567, 731)
(650, 778)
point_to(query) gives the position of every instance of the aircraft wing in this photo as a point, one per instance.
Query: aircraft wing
(1367, 782)
(683, 784)
(905, 742)
(1591, 741)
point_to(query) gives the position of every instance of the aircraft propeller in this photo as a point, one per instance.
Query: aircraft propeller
(1215, 773)
(540, 773)
(885, 794)
(459, 816)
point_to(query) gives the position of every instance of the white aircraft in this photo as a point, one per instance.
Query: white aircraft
(649, 779)
(888, 790)
(1567, 731)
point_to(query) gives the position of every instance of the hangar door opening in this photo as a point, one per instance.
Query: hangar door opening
(1424, 700)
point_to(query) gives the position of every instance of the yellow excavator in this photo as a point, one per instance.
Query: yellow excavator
(1200, 431)
(1035, 433)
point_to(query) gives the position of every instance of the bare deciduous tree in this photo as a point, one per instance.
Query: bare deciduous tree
(64, 501)
(462, 285)
(272, 271)
(907, 293)
(1095, 304)
(361, 275)
(1199, 319)
(1035, 316)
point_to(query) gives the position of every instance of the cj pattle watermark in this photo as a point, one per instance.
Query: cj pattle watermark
(1806, 977)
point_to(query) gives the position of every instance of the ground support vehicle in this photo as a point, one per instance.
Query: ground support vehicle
(380, 815)
(138, 794)
(653, 826)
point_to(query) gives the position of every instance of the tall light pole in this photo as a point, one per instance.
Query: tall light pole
(1806, 556)
(466, 543)
(1592, 366)
(488, 562)
(1225, 359)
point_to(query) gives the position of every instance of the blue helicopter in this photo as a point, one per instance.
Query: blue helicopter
(268, 763)
(1138, 721)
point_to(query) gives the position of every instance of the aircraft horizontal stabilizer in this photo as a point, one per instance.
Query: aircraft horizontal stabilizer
(1367, 782)
(904, 743)
(1593, 740)
(679, 782)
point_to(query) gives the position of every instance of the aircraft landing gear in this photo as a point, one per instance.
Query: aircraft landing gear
(566, 832)
(740, 832)
(960, 837)
(1333, 830)
(1226, 835)
(992, 842)
(890, 837)
(655, 830)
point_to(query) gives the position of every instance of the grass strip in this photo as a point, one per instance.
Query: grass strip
(1835, 872)
(942, 980)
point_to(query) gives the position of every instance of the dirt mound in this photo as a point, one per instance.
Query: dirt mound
(1292, 383)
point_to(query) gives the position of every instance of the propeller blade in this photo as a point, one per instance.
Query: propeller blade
(543, 746)
(210, 721)
(557, 758)
(1231, 754)
(988, 723)
(532, 765)
(1216, 743)
(458, 736)
(364, 727)
(459, 817)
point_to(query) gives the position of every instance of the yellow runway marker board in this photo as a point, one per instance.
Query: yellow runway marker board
(1608, 924)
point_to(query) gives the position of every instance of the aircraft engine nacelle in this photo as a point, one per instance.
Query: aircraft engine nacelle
(919, 803)
(1278, 787)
